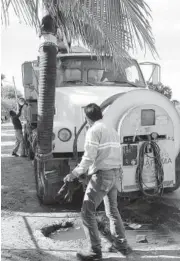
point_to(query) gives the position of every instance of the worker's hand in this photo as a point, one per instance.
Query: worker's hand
(20, 106)
(69, 177)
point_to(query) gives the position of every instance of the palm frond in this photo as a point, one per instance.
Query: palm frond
(113, 27)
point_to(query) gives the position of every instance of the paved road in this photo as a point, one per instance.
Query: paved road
(23, 218)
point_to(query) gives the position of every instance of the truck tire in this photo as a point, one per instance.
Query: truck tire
(48, 183)
(43, 188)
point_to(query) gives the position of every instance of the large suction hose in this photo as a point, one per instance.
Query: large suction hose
(47, 82)
(159, 172)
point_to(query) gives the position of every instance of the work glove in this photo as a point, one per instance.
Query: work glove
(69, 177)
(71, 185)
(66, 192)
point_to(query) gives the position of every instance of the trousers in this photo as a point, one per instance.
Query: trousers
(19, 142)
(102, 186)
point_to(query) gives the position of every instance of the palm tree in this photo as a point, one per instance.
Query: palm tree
(108, 27)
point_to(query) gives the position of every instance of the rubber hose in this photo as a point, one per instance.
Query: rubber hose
(159, 172)
(47, 80)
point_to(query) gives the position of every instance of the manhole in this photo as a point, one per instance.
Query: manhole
(65, 231)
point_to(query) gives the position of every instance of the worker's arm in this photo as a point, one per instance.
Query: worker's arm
(90, 152)
(18, 114)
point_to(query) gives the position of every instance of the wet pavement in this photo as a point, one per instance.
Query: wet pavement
(24, 219)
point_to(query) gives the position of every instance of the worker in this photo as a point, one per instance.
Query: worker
(18, 132)
(102, 160)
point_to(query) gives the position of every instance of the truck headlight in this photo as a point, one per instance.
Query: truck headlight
(64, 134)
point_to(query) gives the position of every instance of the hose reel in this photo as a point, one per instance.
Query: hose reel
(159, 172)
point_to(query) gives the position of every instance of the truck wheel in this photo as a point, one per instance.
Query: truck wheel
(43, 187)
(46, 186)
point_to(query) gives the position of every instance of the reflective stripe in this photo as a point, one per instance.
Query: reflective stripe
(109, 144)
(86, 158)
(101, 150)
(90, 142)
(80, 168)
(92, 145)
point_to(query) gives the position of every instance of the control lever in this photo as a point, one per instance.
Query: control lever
(138, 123)
(134, 137)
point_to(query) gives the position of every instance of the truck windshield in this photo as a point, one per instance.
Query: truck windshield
(89, 71)
(130, 75)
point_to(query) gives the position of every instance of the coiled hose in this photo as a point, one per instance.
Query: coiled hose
(159, 172)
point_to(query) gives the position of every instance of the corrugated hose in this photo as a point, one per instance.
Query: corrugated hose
(159, 172)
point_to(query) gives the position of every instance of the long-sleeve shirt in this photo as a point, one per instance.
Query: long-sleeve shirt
(101, 150)
(16, 121)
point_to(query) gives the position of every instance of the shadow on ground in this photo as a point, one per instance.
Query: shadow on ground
(18, 188)
(18, 181)
(42, 255)
(31, 255)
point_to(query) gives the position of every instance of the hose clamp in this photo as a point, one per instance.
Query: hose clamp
(48, 39)
(44, 157)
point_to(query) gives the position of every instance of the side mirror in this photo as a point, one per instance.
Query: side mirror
(151, 72)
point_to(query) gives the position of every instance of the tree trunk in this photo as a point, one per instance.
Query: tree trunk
(47, 80)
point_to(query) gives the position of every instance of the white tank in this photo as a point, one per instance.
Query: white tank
(137, 116)
(148, 98)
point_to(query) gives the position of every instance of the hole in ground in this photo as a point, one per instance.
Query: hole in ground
(65, 231)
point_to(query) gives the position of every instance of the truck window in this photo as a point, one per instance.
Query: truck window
(129, 75)
(95, 75)
(85, 71)
(72, 75)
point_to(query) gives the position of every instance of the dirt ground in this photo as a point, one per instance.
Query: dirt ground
(23, 218)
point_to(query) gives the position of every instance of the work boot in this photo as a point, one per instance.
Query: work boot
(92, 255)
(14, 154)
(122, 247)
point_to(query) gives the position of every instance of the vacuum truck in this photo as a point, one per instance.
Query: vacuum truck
(147, 122)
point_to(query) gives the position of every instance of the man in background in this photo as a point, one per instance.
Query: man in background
(18, 132)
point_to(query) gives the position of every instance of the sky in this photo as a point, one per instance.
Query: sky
(19, 43)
